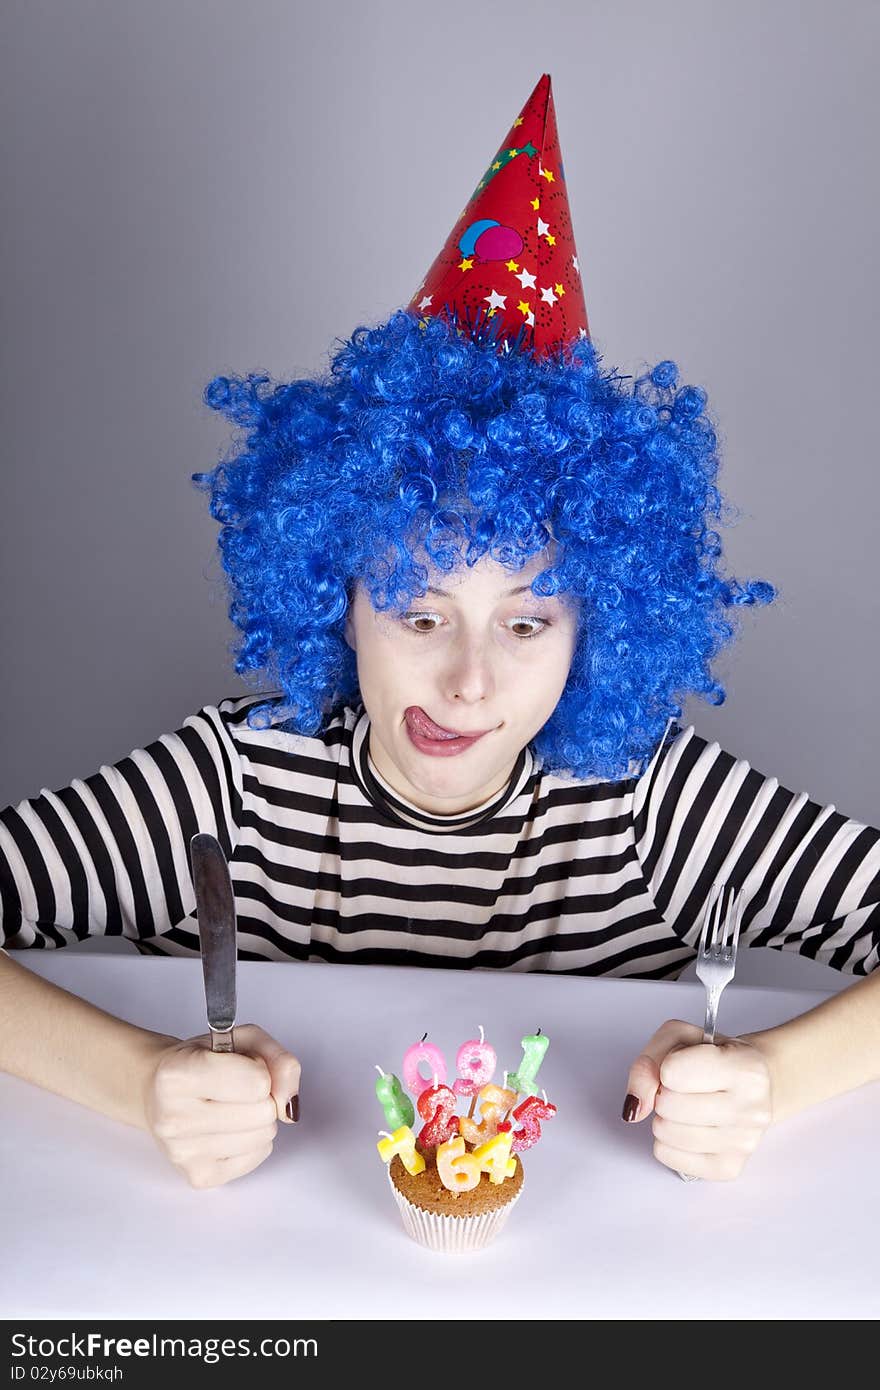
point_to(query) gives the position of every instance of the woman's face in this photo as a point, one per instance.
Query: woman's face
(478, 654)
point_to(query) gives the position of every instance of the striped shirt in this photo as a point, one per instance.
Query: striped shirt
(329, 863)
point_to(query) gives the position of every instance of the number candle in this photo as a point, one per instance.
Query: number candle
(434, 1059)
(534, 1045)
(475, 1064)
(459, 1171)
(437, 1107)
(402, 1142)
(530, 1113)
(493, 1102)
(397, 1106)
(495, 1159)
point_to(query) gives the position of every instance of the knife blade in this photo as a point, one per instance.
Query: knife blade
(215, 908)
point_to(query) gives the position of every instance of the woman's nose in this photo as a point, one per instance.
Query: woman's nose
(469, 677)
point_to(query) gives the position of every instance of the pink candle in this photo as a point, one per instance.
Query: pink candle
(433, 1059)
(475, 1064)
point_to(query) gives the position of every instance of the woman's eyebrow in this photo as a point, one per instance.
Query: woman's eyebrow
(506, 593)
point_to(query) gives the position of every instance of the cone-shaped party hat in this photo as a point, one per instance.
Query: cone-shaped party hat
(509, 267)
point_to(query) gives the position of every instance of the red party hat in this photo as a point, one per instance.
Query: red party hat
(509, 267)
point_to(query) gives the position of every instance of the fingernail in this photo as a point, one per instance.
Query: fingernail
(630, 1108)
(293, 1108)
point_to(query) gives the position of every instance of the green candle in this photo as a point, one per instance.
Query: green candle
(534, 1046)
(397, 1105)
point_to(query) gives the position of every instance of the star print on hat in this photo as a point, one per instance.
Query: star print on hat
(509, 269)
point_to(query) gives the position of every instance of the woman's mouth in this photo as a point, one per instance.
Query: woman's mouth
(433, 739)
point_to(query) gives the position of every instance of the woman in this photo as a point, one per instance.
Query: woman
(481, 584)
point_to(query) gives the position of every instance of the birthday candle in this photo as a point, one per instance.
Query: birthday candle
(402, 1142)
(494, 1102)
(534, 1046)
(437, 1107)
(397, 1106)
(529, 1114)
(458, 1171)
(475, 1064)
(494, 1157)
(434, 1060)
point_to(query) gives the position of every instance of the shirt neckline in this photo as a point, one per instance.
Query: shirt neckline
(403, 812)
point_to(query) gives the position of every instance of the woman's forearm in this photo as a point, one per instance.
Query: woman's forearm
(58, 1041)
(832, 1048)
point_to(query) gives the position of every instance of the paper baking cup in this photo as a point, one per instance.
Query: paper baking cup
(451, 1235)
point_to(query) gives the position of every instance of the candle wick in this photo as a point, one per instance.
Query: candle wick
(424, 1035)
(544, 1094)
(537, 1035)
(385, 1135)
(481, 1034)
(378, 1069)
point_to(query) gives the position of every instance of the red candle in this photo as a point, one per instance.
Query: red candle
(530, 1114)
(436, 1106)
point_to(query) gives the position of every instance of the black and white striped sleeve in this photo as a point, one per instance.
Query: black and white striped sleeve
(810, 876)
(110, 855)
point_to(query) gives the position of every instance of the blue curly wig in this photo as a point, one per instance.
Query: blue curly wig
(423, 439)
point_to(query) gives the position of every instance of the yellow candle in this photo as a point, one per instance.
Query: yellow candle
(402, 1142)
(459, 1171)
(494, 1102)
(495, 1158)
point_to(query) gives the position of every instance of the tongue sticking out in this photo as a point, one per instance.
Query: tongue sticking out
(422, 725)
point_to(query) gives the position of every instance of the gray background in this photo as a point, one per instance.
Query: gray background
(202, 186)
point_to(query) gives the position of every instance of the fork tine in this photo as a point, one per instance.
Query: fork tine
(727, 922)
(738, 910)
(718, 927)
(702, 944)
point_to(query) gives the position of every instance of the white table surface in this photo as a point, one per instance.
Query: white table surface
(94, 1222)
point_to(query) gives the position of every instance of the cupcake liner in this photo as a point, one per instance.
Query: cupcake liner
(451, 1235)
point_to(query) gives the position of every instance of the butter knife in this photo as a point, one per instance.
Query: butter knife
(215, 907)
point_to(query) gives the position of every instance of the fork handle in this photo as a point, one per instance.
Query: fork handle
(712, 998)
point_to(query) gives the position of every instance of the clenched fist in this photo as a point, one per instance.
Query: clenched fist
(711, 1102)
(215, 1114)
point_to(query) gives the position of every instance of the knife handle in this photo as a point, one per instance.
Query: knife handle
(221, 1042)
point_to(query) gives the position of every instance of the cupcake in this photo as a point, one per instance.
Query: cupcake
(452, 1221)
(456, 1182)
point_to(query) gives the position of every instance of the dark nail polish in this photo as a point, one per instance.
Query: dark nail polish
(293, 1108)
(630, 1108)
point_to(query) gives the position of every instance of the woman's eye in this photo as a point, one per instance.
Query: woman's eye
(540, 624)
(525, 627)
(416, 621)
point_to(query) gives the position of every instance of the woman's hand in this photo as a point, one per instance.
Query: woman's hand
(215, 1114)
(711, 1102)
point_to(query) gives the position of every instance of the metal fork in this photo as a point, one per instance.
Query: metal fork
(716, 956)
